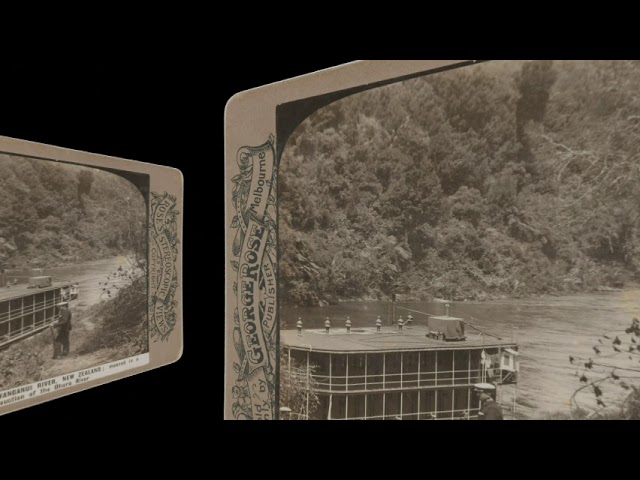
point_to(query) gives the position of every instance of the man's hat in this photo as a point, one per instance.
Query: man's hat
(484, 397)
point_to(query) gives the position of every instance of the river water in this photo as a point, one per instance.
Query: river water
(548, 330)
(91, 277)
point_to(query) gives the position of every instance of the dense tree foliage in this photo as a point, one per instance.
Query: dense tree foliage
(506, 178)
(52, 213)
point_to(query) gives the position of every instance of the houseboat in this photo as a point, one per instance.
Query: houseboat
(26, 309)
(412, 370)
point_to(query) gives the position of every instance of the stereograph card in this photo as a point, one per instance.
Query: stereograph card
(434, 240)
(90, 270)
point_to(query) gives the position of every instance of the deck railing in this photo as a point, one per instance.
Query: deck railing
(28, 314)
(398, 381)
(458, 414)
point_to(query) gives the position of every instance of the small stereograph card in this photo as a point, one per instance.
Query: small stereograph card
(419, 240)
(90, 270)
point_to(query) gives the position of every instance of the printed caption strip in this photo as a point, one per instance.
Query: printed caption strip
(62, 382)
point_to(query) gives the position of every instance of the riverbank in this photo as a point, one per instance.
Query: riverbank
(474, 296)
(21, 266)
(31, 359)
(108, 319)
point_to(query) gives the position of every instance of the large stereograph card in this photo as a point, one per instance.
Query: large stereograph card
(417, 240)
(90, 270)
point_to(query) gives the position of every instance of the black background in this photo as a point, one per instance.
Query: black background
(172, 113)
(142, 110)
(161, 111)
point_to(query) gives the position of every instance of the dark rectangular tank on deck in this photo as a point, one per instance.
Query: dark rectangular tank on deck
(40, 282)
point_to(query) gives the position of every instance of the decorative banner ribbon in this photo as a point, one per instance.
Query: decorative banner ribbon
(255, 242)
(163, 275)
(255, 289)
(268, 297)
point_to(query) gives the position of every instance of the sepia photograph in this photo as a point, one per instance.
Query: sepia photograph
(460, 245)
(73, 272)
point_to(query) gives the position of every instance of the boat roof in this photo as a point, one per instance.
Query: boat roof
(389, 339)
(23, 290)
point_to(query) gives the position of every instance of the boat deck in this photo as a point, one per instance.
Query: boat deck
(389, 339)
(22, 290)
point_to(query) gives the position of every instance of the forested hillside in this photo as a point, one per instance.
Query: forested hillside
(506, 178)
(52, 214)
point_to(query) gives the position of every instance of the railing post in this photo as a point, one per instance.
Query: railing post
(400, 392)
(435, 396)
(346, 386)
(308, 385)
(365, 406)
(384, 405)
(453, 402)
(330, 374)
(436, 369)
(346, 377)
(365, 375)
(384, 371)
(453, 368)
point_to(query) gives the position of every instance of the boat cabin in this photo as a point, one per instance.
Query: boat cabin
(417, 372)
(25, 310)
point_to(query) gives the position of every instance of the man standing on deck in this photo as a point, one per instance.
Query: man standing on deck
(61, 342)
(490, 409)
